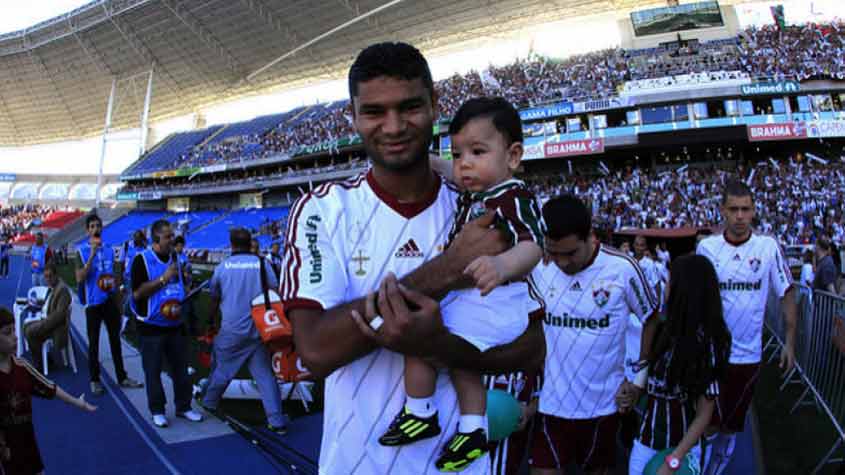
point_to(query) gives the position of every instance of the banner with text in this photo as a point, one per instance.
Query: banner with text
(826, 128)
(784, 131)
(574, 147)
(775, 87)
(553, 110)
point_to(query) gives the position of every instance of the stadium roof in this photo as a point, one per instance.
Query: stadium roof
(55, 76)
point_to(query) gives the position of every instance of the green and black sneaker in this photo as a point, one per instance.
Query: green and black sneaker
(407, 428)
(463, 449)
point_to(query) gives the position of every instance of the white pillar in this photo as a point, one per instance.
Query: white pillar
(105, 139)
(145, 114)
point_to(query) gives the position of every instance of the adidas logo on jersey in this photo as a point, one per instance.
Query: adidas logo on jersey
(575, 287)
(409, 249)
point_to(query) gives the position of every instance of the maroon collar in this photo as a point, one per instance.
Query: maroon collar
(406, 210)
(736, 243)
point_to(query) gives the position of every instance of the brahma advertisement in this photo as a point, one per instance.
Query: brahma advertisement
(571, 148)
(783, 131)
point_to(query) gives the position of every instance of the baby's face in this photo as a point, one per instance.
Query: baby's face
(481, 156)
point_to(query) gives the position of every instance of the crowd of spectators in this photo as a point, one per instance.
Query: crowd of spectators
(810, 51)
(16, 220)
(240, 177)
(798, 200)
(801, 51)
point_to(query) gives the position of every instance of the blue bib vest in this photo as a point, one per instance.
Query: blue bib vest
(101, 282)
(131, 252)
(39, 256)
(164, 308)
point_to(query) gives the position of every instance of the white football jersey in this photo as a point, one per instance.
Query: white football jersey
(343, 238)
(587, 315)
(746, 272)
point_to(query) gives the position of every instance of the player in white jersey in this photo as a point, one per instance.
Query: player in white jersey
(346, 240)
(749, 266)
(589, 290)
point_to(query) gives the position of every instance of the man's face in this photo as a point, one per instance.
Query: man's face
(394, 118)
(274, 248)
(640, 246)
(8, 340)
(165, 239)
(94, 228)
(570, 254)
(178, 247)
(39, 239)
(51, 278)
(739, 213)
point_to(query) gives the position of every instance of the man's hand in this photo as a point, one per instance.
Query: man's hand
(487, 273)
(787, 358)
(528, 412)
(627, 396)
(171, 272)
(476, 239)
(412, 320)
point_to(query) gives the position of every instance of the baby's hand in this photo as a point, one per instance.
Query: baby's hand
(487, 272)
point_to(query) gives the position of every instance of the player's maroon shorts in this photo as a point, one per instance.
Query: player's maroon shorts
(735, 395)
(590, 443)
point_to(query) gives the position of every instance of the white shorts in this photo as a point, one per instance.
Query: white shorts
(485, 322)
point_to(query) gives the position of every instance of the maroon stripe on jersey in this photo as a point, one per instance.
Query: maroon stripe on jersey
(406, 210)
(292, 257)
(649, 293)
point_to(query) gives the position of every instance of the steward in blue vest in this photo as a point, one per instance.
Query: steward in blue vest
(158, 291)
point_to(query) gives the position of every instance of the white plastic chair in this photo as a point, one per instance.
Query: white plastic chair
(68, 356)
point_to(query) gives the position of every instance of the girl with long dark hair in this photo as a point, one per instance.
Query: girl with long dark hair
(687, 361)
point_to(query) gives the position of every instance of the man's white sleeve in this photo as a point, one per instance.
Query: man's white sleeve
(638, 293)
(780, 277)
(313, 276)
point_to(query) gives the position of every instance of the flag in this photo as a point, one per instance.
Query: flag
(816, 159)
(778, 16)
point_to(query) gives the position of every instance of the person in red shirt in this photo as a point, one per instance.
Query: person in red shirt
(19, 381)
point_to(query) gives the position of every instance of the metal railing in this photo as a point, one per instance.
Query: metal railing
(820, 364)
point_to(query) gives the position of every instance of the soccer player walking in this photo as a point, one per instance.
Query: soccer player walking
(589, 290)
(749, 266)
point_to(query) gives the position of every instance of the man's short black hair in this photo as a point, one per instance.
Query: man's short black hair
(737, 189)
(502, 113)
(240, 239)
(179, 240)
(567, 215)
(392, 59)
(91, 218)
(158, 226)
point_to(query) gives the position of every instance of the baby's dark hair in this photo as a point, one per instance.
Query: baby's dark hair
(502, 113)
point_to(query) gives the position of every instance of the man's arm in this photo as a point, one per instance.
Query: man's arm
(790, 315)
(60, 313)
(83, 269)
(328, 339)
(399, 303)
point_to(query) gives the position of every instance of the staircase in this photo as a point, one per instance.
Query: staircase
(75, 230)
(210, 222)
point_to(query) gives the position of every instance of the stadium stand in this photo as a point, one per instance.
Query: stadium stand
(813, 51)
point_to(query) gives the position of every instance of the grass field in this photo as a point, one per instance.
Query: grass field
(248, 411)
(792, 444)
